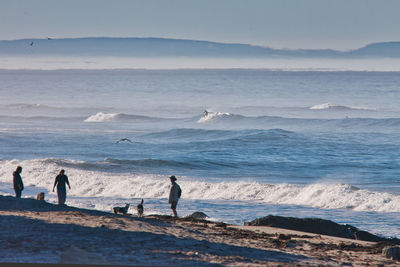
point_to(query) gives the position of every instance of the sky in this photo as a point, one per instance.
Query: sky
(312, 24)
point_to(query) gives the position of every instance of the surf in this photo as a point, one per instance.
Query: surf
(91, 180)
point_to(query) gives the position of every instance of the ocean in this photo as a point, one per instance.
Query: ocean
(314, 143)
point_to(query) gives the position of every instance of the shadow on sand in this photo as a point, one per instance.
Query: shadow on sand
(35, 240)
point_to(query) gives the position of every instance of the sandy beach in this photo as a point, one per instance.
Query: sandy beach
(34, 231)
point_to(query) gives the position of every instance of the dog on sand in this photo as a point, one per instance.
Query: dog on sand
(122, 210)
(40, 196)
(140, 209)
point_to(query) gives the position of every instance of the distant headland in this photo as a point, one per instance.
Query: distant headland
(163, 47)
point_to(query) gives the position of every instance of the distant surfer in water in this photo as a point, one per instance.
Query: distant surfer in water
(206, 112)
(123, 139)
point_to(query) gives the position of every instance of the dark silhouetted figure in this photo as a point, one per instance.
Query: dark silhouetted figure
(140, 209)
(60, 181)
(174, 194)
(124, 139)
(17, 181)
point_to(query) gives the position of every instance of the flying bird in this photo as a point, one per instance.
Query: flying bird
(123, 139)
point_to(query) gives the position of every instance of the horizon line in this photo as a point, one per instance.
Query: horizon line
(194, 40)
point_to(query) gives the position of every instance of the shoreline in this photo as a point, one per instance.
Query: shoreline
(35, 231)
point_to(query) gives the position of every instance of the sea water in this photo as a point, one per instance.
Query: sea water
(293, 143)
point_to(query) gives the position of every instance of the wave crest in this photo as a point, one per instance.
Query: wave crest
(209, 116)
(95, 180)
(327, 106)
(107, 117)
(102, 117)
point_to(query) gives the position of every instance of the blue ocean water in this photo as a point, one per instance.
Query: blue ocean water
(293, 143)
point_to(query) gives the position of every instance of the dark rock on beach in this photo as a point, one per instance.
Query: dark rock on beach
(198, 215)
(320, 226)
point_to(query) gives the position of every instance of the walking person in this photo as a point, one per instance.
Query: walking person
(174, 194)
(17, 181)
(60, 181)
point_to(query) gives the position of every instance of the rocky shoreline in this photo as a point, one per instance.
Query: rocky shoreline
(321, 226)
(35, 231)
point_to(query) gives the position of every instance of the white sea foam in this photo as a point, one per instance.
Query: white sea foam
(106, 117)
(87, 182)
(335, 106)
(102, 117)
(212, 115)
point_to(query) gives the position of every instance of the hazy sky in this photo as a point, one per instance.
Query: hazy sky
(338, 24)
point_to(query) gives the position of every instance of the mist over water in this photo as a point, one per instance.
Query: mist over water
(170, 63)
(293, 143)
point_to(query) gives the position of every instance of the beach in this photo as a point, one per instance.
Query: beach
(279, 121)
(262, 148)
(35, 231)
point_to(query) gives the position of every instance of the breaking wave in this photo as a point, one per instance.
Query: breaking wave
(208, 116)
(107, 117)
(89, 181)
(329, 124)
(330, 106)
(101, 117)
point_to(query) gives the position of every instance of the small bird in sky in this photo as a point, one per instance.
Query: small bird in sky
(123, 139)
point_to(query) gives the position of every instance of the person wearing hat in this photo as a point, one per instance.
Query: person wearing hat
(174, 194)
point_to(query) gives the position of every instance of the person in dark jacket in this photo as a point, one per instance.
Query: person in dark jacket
(17, 181)
(60, 181)
(174, 194)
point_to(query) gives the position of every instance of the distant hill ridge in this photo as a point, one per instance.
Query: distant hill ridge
(163, 47)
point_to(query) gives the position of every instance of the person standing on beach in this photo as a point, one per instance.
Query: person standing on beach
(174, 194)
(60, 181)
(17, 181)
